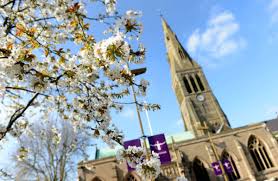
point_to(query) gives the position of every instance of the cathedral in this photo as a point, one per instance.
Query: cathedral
(251, 150)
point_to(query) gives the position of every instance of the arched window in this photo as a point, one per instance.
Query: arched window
(200, 171)
(235, 174)
(193, 84)
(187, 86)
(96, 179)
(181, 54)
(259, 154)
(200, 83)
(131, 177)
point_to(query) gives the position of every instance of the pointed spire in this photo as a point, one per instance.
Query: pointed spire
(165, 25)
(175, 49)
(167, 30)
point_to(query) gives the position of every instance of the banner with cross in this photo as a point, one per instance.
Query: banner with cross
(159, 145)
(226, 165)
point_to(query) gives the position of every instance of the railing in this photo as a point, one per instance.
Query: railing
(170, 170)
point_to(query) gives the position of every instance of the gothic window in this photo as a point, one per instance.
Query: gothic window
(259, 154)
(131, 177)
(235, 174)
(200, 82)
(96, 179)
(193, 84)
(187, 86)
(200, 171)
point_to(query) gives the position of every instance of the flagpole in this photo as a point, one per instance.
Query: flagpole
(148, 119)
(140, 120)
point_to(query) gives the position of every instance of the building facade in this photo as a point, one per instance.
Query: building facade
(252, 150)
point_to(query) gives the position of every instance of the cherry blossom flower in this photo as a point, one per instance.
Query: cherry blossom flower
(150, 168)
(147, 166)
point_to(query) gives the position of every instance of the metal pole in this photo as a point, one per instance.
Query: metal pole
(148, 119)
(140, 121)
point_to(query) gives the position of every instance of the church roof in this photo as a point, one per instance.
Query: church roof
(178, 137)
(272, 125)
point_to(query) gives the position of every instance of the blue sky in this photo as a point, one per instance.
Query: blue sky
(241, 65)
(234, 41)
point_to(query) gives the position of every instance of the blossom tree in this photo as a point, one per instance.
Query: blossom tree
(52, 62)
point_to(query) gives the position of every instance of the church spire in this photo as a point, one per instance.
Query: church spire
(175, 50)
(198, 104)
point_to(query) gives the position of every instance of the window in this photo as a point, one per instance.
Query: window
(96, 179)
(259, 154)
(200, 82)
(193, 84)
(187, 86)
(181, 54)
(200, 171)
(235, 174)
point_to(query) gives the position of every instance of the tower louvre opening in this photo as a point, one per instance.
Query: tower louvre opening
(187, 86)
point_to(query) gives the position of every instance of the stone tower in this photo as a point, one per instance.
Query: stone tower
(198, 105)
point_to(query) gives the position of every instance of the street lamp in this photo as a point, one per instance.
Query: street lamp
(137, 72)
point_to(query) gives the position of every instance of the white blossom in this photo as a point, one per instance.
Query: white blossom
(150, 168)
(147, 166)
(133, 155)
(38, 85)
(49, 51)
(105, 48)
(110, 6)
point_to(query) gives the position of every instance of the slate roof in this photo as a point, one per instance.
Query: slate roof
(272, 124)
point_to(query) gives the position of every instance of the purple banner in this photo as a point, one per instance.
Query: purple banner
(227, 166)
(158, 145)
(135, 142)
(216, 167)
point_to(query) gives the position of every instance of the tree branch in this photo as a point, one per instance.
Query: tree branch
(23, 89)
(4, 5)
(16, 116)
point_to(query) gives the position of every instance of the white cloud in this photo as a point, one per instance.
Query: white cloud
(193, 41)
(273, 9)
(220, 38)
(128, 113)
